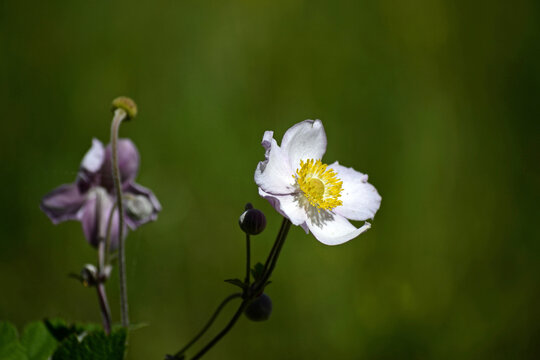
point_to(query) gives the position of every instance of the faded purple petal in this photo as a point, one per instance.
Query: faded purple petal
(91, 164)
(128, 163)
(142, 205)
(95, 218)
(63, 203)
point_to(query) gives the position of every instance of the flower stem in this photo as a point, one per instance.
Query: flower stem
(255, 289)
(271, 261)
(108, 236)
(248, 259)
(119, 115)
(208, 324)
(104, 305)
(225, 330)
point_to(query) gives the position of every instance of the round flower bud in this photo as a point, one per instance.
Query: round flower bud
(259, 309)
(252, 221)
(126, 104)
(89, 275)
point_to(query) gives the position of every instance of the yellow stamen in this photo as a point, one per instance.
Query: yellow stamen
(321, 186)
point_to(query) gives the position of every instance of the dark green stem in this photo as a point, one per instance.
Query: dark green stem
(271, 261)
(208, 324)
(250, 293)
(248, 259)
(225, 330)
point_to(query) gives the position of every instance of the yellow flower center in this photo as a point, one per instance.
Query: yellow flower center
(320, 185)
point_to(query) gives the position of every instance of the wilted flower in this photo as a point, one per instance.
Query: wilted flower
(90, 198)
(318, 197)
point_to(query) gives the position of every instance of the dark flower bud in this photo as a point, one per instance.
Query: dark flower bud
(252, 221)
(89, 275)
(259, 309)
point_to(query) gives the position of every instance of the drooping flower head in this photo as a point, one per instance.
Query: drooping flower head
(90, 199)
(318, 197)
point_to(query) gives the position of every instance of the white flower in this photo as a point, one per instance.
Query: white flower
(318, 197)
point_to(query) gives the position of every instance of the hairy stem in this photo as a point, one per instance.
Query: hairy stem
(104, 305)
(119, 115)
(108, 236)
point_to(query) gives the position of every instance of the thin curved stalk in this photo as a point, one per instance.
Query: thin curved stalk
(208, 324)
(119, 115)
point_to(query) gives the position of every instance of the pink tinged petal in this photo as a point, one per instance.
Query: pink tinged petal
(273, 174)
(128, 163)
(90, 166)
(360, 199)
(63, 203)
(305, 140)
(333, 229)
(134, 218)
(288, 206)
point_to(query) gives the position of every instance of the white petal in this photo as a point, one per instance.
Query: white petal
(333, 229)
(288, 206)
(360, 199)
(274, 175)
(93, 159)
(305, 140)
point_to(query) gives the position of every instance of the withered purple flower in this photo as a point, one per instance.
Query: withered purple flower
(90, 199)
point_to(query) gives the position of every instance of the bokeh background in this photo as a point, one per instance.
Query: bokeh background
(438, 101)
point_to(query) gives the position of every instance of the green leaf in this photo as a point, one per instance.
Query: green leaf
(95, 345)
(38, 341)
(236, 282)
(60, 330)
(257, 271)
(10, 348)
(8, 334)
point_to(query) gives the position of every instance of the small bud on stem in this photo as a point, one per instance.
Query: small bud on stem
(252, 221)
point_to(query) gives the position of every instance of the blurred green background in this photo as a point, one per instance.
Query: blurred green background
(438, 101)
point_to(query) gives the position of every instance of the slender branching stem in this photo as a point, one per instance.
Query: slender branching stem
(255, 289)
(273, 256)
(208, 324)
(119, 115)
(225, 330)
(248, 259)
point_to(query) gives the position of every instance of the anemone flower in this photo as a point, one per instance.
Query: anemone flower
(90, 199)
(318, 197)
